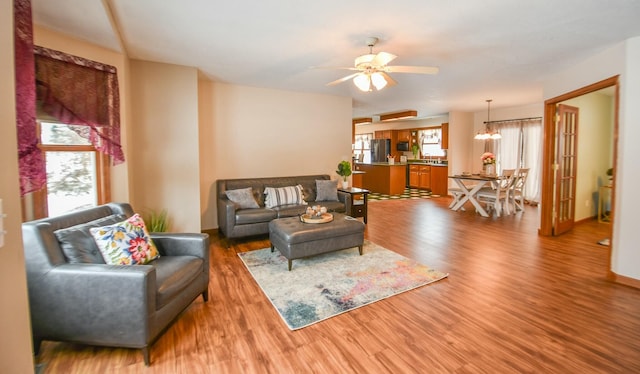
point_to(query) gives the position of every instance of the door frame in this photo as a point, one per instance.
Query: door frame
(548, 153)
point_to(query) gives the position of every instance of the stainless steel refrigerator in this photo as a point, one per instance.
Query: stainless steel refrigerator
(380, 148)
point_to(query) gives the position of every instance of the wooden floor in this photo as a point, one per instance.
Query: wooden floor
(514, 302)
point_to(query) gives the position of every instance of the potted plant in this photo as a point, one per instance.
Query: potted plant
(344, 170)
(415, 148)
(156, 221)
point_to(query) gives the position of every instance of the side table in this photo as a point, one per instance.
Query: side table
(358, 206)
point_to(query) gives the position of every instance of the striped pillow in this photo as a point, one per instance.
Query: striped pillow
(283, 196)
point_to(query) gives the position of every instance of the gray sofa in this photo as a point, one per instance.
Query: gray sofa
(74, 296)
(234, 222)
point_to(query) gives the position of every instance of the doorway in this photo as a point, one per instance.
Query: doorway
(549, 163)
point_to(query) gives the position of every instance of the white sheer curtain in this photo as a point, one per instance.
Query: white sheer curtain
(519, 148)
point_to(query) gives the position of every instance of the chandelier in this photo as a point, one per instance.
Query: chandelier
(488, 133)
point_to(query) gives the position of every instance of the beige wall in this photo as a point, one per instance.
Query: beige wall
(460, 153)
(164, 151)
(51, 39)
(15, 329)
(256, 132)
(595, 144)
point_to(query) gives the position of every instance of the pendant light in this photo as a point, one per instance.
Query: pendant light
(488, 133)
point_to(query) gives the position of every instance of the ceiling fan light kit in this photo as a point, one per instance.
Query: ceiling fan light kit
(488, 133)
(363, 82)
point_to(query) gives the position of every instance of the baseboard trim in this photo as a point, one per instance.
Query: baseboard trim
(625, 281)
(211, 232)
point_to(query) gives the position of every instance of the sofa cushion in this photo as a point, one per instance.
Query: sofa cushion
(243, 198)
(173, 275)
(244, 216)
(291, 210)
(78, 244)
(283, 196)
(125, 243)
(327, 190)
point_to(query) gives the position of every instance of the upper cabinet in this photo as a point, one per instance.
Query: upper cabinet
(404, 135)
(444, 139)
(383, 134)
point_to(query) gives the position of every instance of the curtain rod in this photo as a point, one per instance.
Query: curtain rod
(512, 120)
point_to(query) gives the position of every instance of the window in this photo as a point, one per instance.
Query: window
(362, 147)
(76, 172)
(430, 143)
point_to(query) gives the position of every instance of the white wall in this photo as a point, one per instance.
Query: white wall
(622, 59)
(15, 329)
(255, 132)
(595, 145)
(165, 150)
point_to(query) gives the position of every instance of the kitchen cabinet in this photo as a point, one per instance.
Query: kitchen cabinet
(429, 177)
(356, 178)
(440, 180)
(444, 136)
(420, 176)
(404, 136)
(383, 178)
(383, 134)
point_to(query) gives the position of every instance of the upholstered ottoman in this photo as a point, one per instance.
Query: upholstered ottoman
(296, 239)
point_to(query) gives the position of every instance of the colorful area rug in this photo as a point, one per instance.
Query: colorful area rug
(323, 286)
(409, 193)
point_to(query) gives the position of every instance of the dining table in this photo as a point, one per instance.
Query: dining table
(469, 185)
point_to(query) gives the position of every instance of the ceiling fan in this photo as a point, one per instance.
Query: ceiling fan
(372, 69)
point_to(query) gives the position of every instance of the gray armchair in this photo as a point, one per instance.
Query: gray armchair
(74, 296)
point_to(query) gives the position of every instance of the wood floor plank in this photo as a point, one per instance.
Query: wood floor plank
(513, 302)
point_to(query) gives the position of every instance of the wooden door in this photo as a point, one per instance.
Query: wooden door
(566, 161)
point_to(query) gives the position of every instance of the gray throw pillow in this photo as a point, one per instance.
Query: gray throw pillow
(327, 190)
(243, 198)
(78, 244)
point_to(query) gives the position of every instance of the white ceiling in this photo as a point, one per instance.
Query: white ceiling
(491, 49)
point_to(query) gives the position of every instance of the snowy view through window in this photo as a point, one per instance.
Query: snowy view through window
(71, 174)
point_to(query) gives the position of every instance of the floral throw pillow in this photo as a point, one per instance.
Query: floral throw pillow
(125, 243)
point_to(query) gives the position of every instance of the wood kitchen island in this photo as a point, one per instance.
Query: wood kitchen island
(382, 177)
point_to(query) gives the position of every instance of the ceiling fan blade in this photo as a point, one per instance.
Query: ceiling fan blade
(382, 58)
(412, 69)
(390, 81)
(343, 79)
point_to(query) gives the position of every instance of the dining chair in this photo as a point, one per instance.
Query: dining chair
(457, 194)
(497, 197)
(517, 192)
